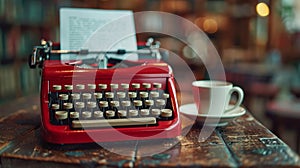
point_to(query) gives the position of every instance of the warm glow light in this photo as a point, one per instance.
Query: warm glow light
(262, 9)
(210, 25)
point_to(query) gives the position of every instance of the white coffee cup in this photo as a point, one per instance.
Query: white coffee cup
(213, 97)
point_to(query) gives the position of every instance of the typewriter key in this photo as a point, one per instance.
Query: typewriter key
(166, 113)
(157, 85)
(80, 86)
(75, 97)
(145, 112)
(146, 85)
(125, 105)
(122, 113)
(110, 113)
(114, 105)
(56, 87)
(137, 104)
(121, 96)
(133, 113)
(166, 95)
(144, 95)
(68, 106)
(102, 87)
(86, 115)
(114, 86)
(135, 85)
(61, 117)
(92, 86)
(86, 96)
(74, 115)
(98, 114)
(103, 106)
(79, 105)
(69, 87)
(155, 112)
(98, 96)
(125, 86)
(55, 106)
(91, 105)
(132, 96)
(109, 95)
(154, 94)
(149, 104)
(160, 103)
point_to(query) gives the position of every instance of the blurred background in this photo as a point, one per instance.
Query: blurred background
(258, 42)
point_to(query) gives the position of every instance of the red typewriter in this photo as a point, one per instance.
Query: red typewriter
(124, 100)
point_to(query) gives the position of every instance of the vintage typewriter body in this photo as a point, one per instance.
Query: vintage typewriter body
(81, 105)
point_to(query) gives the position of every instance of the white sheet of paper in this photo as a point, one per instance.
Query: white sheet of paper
(97, 30)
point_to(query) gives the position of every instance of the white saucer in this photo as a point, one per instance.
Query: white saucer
(190, 111)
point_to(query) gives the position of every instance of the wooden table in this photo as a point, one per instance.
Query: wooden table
(242, 143)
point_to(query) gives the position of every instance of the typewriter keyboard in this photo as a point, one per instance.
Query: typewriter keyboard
(94, 105)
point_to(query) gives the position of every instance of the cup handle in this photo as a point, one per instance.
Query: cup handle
(240, 97)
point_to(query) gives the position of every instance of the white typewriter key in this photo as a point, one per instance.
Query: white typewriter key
(103, 104)
(157, 85)
(98, 95)
(98, 114)
(74, 114)
(80, 86)
(75, 96)
(79, 105)
(132, 95)
(133, 113)
(68, 106)
(125, 103)
(137, 103)
(155, 112)
(125, 85)
(144, 94)
(149, 102)
(102, 86)
(114, 86)
(110, 113)
(166, 95)
(109, 95)
(145, 112)
(61, 115)
(54, 106)
(63, 97)
(160, 102)
(154, 94)
(92, 86)
(121, 95)
(146, 85)
(166, 113)
(122, 113)
(86, 114)
(113, 122)
(56, 87)
(86, 96)
(69, 87)
(115, 103)
(91, 105)
(135, 85)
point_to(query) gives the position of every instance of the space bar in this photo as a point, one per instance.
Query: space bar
(113, 122)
